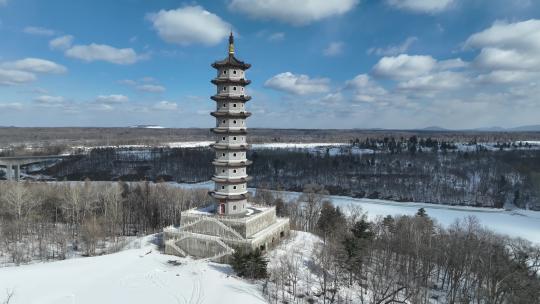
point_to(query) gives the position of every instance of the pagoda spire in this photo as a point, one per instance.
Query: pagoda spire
(231, 44)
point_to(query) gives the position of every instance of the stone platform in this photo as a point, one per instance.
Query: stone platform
(204, 234)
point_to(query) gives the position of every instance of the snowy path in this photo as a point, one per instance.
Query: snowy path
(515, 223)
(133, 276)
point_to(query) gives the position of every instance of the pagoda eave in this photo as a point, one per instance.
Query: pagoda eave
(230, 147)
(239, 81)
(231, 114)
(231, 180)
(240, 131)
(222, 97)
(230, 197)
(232, 163)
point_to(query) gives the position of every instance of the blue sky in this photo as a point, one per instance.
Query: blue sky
(315, 63)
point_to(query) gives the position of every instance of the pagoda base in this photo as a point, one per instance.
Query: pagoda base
(203, 234)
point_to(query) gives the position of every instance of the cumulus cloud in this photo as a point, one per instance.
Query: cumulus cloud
(334, 48)
(293, 11)
(435, 82)
(25, 70)
(279, 36)
(102, 52)
(298, 84)
(151, 88)
(35, 65)
(111, 99)
(189, 25)
(393, 50)
(13, 77)
(61, 43)
(365, 89)
(10, 105)
(508, 46)
(404, 66)
(41, 31)
(421, 6)
(50, 101)
(166, 106)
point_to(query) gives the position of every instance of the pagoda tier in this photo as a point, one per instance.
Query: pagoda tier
(230, 177)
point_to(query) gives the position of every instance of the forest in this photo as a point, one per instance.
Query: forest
(399, 170)
(404, 259)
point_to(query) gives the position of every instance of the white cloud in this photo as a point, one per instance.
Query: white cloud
(102, 52)
(365, 89)
(404, 66)
(166, 106)
(393, 50)
(189, 25)
(435, 82)
(35, 65)
(421, 6)
(3, 2)
(13, 77)
(10, 105)
(279, 36)
(61, 43)
(293, 11)
(41, 31)
(508, 46)
(151, 88)
(334, 48)
(50, 101)
(111, 99)
(298, 84)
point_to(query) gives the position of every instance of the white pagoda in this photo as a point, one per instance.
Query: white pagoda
(230, 222)
(230, 176)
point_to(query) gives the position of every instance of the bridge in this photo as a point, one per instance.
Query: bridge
(13, 164)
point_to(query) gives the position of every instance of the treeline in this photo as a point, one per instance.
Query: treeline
(479, 178)
(44, 221)
(404, 259)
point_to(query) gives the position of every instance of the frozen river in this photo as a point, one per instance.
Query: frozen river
(515, 223)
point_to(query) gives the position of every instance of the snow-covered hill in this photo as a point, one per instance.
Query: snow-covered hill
(135, 276)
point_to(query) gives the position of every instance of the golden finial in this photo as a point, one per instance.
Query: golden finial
(231, 44)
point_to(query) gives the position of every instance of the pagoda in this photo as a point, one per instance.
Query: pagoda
(229, 222)
(230, 177)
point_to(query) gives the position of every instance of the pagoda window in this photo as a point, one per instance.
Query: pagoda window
(234, 154)
(223, 154)
(234, 121)
(234, 208)
(234, 187)
(223, 171)
(224, 88)
(234, 105)
(224, 121)
(234, 138)
(234, 72)
(222, 187)
(224, 105)
(223, 137)
(234, 171)
(234, 88)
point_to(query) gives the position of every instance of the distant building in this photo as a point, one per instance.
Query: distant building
(230, 222)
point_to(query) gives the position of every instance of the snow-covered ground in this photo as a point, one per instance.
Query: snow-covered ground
(135, 276)
(515, 223)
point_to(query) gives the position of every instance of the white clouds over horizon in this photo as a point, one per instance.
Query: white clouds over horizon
(334, 49)
(421, 6)
(293, 11)
(40, 31)
(103, 52)
(24, 70)
(61, 43)
(298, 84)
(189, 25)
